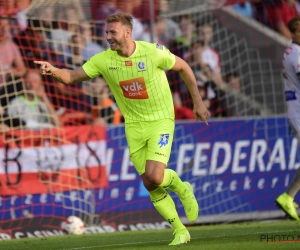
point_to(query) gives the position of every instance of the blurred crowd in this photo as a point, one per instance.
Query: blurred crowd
(273, 13)
(65, 36)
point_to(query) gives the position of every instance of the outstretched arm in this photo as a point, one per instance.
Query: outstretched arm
(65, 76)
(200, 111)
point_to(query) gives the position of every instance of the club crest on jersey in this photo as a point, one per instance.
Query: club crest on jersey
(141, 66)
(164, 140)
(159, 46)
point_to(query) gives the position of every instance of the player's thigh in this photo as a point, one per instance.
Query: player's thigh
(137, 145)
(160, 138)
(135, 138)
(138, 158)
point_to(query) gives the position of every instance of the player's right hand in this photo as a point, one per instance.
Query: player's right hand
(201, 113)
(45, 67)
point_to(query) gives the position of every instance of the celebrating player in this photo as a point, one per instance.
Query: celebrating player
(134, 71)
(291, 77)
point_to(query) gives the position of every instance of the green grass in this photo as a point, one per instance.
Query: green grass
(219, 237)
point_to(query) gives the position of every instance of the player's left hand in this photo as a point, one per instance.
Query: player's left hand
(201, 113)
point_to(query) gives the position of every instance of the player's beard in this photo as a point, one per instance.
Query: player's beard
(118, 44)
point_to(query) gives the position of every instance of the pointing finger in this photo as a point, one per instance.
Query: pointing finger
(39, 62)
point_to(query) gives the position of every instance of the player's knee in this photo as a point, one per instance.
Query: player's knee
(155, 179)
(149, 186)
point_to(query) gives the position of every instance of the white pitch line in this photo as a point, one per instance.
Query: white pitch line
(114, 245)
(146, 242)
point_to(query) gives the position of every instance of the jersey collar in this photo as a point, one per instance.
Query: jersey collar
(133, 54)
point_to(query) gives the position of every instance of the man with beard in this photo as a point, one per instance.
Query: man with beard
(134, 71)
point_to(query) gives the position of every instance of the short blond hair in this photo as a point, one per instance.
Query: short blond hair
(123, 18)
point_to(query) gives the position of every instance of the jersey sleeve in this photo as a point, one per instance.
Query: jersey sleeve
(164, 58)
(93, 67)
(296, 63)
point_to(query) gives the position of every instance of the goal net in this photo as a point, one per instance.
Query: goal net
(63, 148)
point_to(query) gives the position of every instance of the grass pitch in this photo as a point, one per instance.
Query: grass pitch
(267, 235)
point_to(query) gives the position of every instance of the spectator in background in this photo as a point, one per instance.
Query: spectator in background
(69, 24)
(245, 9)
(33, 106)
(235, 99)
(180, 47)
(138, 32)
(35, 46)
(209, 56)
(112, 7)
(279, 14)
(7, 122)
(212, 68)
(172, 27)
(234, 105)
(234, 80)
(184, 113)
(259, 12)
(99, 13)
(142, 10)
(36, 42)
(16, 9)
(163, 35)
(160, 34)
(72, 96)
(167, 30)
(90, 47)
(205, 79)
(103, 11)
(105, 110)
(11, 7)
(181, 44)
(71, 10)
(11, 63)
(76, 45)
(181, 112)
(43, 20)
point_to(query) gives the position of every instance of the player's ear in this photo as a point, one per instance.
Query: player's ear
(128, 33)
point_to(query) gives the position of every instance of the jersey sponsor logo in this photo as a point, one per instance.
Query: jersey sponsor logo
(290, 95)
(128, 63)
(134, 88)
(141, 66)
(114, 68)
(164, 140)
(159, 46)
